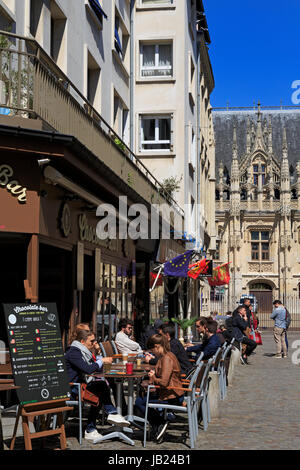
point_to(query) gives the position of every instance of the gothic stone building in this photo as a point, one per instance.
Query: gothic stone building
(258, 203)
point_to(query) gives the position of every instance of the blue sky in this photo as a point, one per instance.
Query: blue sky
(255, 50)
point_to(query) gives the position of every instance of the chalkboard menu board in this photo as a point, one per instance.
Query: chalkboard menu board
(36, 352)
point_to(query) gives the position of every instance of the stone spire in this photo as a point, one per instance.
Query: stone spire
(259, 138)
(270, 137)
(298, 182)
(235, 178)
(248, 143)
(285, 183)
(285, 171)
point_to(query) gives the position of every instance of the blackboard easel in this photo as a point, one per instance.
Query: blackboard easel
(41, 409)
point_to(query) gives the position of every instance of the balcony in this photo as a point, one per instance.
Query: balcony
(32, 87)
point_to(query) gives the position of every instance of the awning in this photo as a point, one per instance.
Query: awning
(95, 5)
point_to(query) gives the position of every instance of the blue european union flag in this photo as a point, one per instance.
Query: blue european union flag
(179, 266)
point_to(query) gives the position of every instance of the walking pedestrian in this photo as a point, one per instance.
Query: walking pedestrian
(279, 330)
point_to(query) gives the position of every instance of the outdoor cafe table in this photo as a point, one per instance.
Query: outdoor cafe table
(118, 373)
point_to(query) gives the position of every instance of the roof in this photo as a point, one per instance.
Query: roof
(224, 122)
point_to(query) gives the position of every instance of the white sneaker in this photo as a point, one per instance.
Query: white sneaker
(118, 420)
(91, 436)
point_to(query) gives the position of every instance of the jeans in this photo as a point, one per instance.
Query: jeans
(155, 416)
(251, 345)
(99, 388)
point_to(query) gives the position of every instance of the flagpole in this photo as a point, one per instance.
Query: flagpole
(156, 279)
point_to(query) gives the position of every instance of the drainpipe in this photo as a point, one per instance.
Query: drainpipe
(132, 61)
(199, 289)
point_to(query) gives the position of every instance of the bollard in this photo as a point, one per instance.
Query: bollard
(214, 394)
(234, 360)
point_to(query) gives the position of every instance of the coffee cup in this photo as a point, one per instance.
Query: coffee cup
(125, 358)
(139, 362)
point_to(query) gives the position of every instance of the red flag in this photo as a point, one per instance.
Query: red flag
(220, 276)
(201, 267)
(153, 276)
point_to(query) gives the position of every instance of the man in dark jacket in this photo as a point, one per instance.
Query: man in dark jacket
(239, 325)
(210, 344)
(150, 331)
(246, 304)
(177, 349)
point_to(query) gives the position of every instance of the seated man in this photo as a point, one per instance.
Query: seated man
(80, 366)
(168, 330)
(210, 344)
(124, 344)
(239, 327)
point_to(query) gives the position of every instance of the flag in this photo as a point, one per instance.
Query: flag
(201, 268)
(179, 266)
(220, 276)
(153, 277)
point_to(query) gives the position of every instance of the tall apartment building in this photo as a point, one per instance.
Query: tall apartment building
(65, 127)
(174, 135)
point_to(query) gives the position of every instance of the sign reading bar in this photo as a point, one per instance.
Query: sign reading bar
(36, 352)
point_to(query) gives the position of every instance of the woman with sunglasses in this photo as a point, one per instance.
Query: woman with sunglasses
(80, 366)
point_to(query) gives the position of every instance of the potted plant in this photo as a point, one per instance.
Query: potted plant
(184, 324)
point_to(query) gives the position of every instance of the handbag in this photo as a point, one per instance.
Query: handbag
(256, 336)
(88, 396)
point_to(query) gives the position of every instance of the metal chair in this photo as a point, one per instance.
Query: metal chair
(202, 394)
(222, 370)
(74, 402)
(189, 409)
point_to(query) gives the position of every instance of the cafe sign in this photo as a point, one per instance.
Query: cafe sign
(13, 186)
(88, 233)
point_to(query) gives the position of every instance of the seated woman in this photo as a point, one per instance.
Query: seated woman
(80, 365)
(167, 373)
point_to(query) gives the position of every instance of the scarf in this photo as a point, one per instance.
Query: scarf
(87, 356)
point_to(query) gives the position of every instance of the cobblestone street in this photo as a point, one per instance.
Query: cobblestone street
(261, 411)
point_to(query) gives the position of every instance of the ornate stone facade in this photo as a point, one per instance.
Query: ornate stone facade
(258, 209)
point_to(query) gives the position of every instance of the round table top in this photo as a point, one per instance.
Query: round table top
(118, 370)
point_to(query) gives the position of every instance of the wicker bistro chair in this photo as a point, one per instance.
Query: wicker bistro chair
(190, 400)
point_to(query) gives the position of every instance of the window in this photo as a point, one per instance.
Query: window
(156, 60)
(58, 35)
(217, 252)
(97, 9)
(121, 119)
(93, 82)
(156, 133)
(263, 175)
(256, 173)
(36, 7)
(121, 41)
(260, 247)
